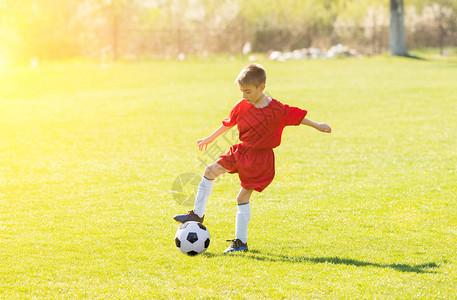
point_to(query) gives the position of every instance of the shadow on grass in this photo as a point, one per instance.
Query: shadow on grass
(451, 60)
(415, 57)
(270, 257)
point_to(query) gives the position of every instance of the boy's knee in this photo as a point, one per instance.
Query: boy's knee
(214, 170)
(210, 172)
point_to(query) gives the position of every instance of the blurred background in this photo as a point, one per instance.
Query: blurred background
(111, 30)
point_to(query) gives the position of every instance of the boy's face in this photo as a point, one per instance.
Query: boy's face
(251, 93)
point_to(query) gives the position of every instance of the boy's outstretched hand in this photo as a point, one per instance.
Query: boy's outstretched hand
(203, 143)
(319, 126)
(323, 127)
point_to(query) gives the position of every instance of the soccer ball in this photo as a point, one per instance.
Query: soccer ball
(192, 238)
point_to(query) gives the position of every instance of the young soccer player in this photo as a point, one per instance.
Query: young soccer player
(260, 121)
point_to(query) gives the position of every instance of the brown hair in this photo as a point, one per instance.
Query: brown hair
(252, 74)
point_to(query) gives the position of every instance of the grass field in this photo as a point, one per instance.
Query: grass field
(88, 157)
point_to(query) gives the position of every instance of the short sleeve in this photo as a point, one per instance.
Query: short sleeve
(231, 120)
(294, 115)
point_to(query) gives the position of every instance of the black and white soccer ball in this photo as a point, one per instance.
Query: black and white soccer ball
(192, 238)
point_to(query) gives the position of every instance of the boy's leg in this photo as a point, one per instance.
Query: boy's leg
(205, 187)
(204, 190)
(242, 220)
(243, 216)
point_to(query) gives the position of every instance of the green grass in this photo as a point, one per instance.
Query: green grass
(88, 157)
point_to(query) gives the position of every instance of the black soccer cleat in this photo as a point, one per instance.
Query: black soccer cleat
(190, 216)
(237, 246)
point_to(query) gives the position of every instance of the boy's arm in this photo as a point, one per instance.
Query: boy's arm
(319, 126)
(203, 143)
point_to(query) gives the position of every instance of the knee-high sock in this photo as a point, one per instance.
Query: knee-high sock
(242, 220)
(203, 192)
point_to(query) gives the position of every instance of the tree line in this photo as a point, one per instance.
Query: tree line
(132, 29)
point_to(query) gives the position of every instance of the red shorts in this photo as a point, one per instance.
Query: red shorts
(256, 168)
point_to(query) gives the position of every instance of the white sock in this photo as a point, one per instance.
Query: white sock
(203, 192)
(242, 220)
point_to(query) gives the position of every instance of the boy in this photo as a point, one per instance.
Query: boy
(260, 121)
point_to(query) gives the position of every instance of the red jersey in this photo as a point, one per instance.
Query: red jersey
(261, 128)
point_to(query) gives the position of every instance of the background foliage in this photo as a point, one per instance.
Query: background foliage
(112, 29)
